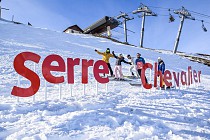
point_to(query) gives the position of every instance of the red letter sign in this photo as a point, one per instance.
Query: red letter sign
(146, 85)
(70, 68)
(47, 67)
(85, 65)
(97, 71)
(27, 73)
(158, 73)
(176, 78)
(167, 76)
(183, 78)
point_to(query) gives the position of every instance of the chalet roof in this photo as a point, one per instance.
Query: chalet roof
(74, 27)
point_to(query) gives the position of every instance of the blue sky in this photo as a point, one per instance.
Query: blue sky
(59, 14)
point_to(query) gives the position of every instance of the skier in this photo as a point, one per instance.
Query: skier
(139, 64)
(106, 55)
(161, 67)
(118, 66)
(131, 60)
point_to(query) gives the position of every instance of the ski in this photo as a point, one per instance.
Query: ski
(117, 79)
(135, 84)
(131, 77)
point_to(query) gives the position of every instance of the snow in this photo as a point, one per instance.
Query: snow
(119, 112)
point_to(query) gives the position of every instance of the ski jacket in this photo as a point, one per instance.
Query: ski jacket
(120, 60)
(141, 59)
(105, 55)
(161, 66)
(139, 62)
(131, 61)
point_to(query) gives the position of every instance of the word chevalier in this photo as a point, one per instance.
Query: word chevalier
(99, 67)
(186, 78)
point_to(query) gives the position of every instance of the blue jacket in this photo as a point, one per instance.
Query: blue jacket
(141, 59)
(161, 66)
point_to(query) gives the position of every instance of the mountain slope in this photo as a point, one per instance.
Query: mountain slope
(120, 112)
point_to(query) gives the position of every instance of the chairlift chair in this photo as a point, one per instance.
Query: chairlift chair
(203, 27)
(171, 18)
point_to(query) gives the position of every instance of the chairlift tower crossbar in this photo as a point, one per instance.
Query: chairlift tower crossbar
(2, 9)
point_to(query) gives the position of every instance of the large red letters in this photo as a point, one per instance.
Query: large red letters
(19, 61)
(97, 71)
(48, 67)
(158, 74)
(146, 66)
(55, 63)
(167, 76)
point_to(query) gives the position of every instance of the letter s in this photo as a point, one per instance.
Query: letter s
(27, 73)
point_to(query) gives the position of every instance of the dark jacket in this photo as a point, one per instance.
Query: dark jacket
(119, 60)
(161, 66)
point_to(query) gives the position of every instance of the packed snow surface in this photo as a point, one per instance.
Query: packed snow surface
(116, 111)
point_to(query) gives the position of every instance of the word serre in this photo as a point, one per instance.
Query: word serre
(47, 68)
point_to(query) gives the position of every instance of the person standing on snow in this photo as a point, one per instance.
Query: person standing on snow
(106, 56)
(161, 67)
(139, 64)
(131, 60)
(118, 65)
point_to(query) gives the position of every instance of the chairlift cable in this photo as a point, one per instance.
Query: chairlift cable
(197, 13)
(203, 21)
(163, 8)
(117, 32)
(204, 15)
(127, 29)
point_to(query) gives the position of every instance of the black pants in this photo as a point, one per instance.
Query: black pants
(110, 68)
(139, 72)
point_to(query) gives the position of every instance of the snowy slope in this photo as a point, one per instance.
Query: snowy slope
(124, 112)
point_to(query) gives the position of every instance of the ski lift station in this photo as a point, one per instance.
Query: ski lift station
(106, 24)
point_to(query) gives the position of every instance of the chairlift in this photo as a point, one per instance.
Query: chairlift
(171, 18)
(203, 27)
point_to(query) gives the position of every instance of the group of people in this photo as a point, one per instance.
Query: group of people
(136, 64)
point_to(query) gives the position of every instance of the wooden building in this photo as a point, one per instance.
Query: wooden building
(74, 29)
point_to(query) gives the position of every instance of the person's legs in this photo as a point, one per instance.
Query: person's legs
(139, 72)
(110, 69)
(163, 83)
(131, 70)
(115, 71)
(120, 71)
